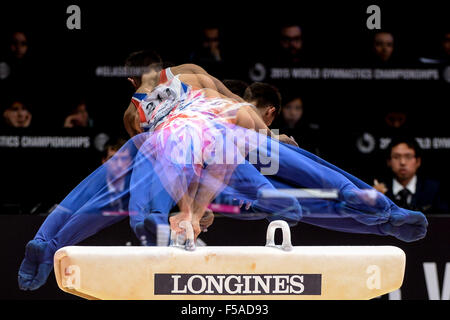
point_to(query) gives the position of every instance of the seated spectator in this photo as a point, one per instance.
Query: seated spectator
(116, 181)
(397, 122)
(78, 117)
(291, 51)
(383, 52)
(383, 45)
(266, 98)
(293, 123)
(443, 52)
(17, 114)
(118, 164)
(20, 70)
(238, 87)
(111, 147)
(446, 46)
(209, 52)
(19, 45)
(407, 188)
(395, 119)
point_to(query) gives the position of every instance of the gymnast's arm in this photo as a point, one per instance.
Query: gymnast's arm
(131, 121)
(190, 68)
(246, 117)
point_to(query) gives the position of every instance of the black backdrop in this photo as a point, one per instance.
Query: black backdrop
(335, 34)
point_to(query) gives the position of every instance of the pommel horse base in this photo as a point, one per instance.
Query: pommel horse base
(231, 273)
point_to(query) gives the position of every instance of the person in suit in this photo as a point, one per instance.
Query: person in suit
(408, 188)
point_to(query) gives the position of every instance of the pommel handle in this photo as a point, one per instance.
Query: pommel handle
(270, 237)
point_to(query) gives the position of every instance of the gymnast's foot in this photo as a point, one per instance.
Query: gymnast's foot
(278, 206)
(367, 206)
(33, 272)
(405, 224)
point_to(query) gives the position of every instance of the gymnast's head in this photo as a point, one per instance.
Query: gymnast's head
(266, 98)
(237, 87)
(145, 63)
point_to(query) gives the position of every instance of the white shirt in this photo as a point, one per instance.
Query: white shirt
(169, 74)
(411, 186)
(116, 187)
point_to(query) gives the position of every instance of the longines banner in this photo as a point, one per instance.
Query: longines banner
(238, 284)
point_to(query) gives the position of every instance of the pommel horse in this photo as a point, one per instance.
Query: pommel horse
(269, 272)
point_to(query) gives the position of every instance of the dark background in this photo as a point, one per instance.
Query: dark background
(335, 35)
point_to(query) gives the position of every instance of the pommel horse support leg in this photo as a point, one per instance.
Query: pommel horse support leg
(268, 272)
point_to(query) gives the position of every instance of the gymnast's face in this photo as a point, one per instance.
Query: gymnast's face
(403, 162)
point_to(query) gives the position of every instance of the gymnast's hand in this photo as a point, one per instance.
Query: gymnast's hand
(175, 220)
(200, 222)
(206, 220)
(284, 138)
(33, 272)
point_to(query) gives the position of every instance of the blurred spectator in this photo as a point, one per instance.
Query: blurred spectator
(383, 52)
(111, 147)
(236, 86)
(19, 45)
(446, 45)
(443, 54)
(209, 52)
(118, 163)
(17, 66)
(78, 117)
(383, 45)
(266, 98)
(290, 46)
(291, 41)
(395, 119)
(293, 123)
(406, 187)
(17, 114)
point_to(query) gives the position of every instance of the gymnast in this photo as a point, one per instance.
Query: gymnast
(298, 168)
(76, 218)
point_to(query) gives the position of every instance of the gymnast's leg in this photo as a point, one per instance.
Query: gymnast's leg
(77, 217)
(382, 218)
(150, 203)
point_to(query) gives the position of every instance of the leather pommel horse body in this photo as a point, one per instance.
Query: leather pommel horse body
(239, 272)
